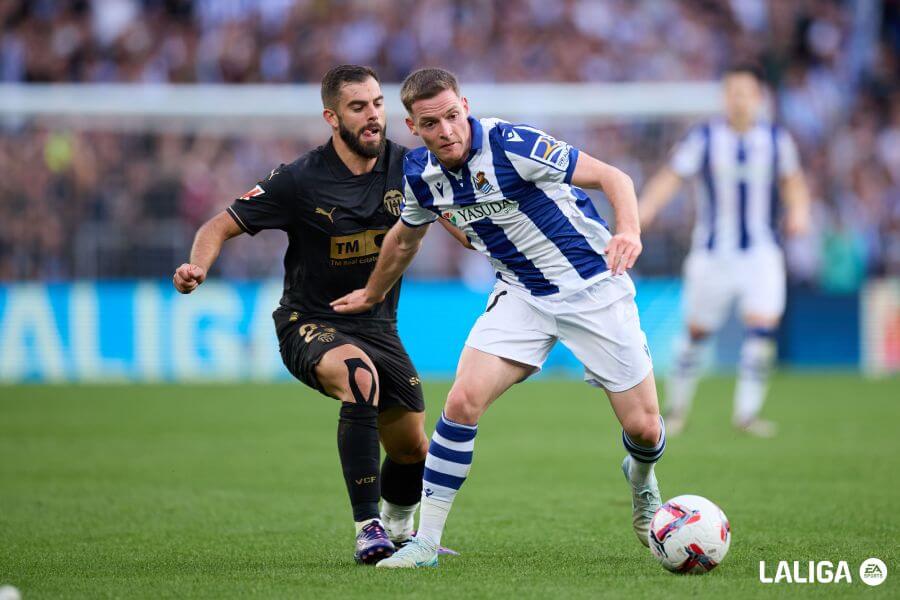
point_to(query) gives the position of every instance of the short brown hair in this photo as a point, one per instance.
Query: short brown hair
(426, 83)
(335, 78)
(746, 67)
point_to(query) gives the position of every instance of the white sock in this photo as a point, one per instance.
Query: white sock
(399, 521)
(682, 381)
(640, 472)
(446, 468)
(643, 458)
(757, 356)
(432, 519)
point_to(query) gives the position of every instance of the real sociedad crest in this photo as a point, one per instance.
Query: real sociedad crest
(481, 183)
(392, 201)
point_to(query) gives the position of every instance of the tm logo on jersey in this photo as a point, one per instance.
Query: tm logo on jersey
(477, 212)
(551, 152)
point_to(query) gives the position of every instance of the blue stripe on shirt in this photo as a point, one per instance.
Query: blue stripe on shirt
(546, 215)
(710, 185)
(742, 193)
(414, 166)
(584, 204)
(775, 196)
(500, 248)
(461, 185)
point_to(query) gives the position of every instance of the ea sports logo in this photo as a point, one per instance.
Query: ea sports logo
(873, 571)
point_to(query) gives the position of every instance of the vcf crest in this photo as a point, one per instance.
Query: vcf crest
(392, 201)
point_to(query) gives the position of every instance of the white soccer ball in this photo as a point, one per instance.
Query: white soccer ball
(8, 592)
(689, 534)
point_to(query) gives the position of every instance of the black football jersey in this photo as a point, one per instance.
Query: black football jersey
(335, 222)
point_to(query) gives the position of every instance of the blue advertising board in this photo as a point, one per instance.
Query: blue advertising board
(146, 331)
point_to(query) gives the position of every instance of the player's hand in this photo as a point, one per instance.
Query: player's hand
(796, 223)
(187, 277)
(356, 301)
(623, 251)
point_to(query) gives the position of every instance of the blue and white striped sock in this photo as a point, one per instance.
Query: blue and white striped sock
(644, 457)
(446, 467)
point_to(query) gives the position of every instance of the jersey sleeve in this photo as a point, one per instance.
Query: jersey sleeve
(269, 205)
(788, 157)
(536, 155)
(411, 213)
(687, 156)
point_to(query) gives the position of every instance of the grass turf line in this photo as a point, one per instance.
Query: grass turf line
(234, 491)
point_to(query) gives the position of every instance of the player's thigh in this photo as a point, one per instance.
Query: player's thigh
(637, 409)
(480, 379)
(402, 434)
(347, 373)
(512, 328)
(601, 326)
(709, 291)
(763, 290)
(309, 350)
(398, 380)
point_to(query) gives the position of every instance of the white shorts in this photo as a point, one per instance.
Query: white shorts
(599, 324)
(712, 283)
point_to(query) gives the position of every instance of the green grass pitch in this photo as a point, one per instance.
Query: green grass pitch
(227, 491)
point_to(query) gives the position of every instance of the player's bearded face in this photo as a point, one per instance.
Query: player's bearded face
(367, 140)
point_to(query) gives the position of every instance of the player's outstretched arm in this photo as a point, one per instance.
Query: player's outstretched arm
(398, 249)
(458, 235)
(207, 244)
(796, 198)
(657, 193)
(625, 246)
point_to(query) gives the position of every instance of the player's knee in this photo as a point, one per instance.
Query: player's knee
(362, 385)
(409, 453)
(643, 429)
(462, 406)
(348, 375)
(697, 334)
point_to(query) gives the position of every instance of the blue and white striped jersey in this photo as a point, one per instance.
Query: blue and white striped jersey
(514, 200)
(738, 206)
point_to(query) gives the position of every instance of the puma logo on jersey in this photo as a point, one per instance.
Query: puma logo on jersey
(322, 211)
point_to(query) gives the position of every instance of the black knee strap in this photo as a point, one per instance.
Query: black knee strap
(352, 365)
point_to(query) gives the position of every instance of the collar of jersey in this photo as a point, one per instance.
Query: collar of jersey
(342, 171)
(477, 141)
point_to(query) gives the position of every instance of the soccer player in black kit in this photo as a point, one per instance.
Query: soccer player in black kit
(336, 203)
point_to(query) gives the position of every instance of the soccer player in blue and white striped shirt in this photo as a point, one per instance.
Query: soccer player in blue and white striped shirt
(561, 275)
(747, 167)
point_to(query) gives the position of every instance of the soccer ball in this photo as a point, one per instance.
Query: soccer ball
(689, 534)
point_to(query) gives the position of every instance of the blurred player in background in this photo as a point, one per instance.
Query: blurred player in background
(748, 168)
(336, 203)
(561, 275)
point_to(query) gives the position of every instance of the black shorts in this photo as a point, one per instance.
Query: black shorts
(304, 341)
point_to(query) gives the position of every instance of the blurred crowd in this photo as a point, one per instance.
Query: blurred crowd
(125, 204)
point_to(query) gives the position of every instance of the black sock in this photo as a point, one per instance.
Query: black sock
(359, 451)
(401, 484)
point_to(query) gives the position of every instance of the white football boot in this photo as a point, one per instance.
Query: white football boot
(412, 555)
(645, 501)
